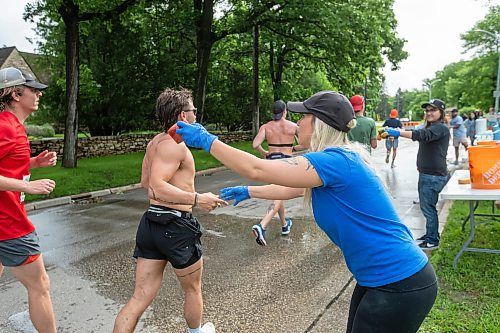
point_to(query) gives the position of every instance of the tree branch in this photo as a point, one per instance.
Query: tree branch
(109, 13)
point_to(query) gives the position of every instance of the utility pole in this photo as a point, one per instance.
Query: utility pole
(429, 84)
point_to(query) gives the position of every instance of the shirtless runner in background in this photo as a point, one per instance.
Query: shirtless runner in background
(168, 232)
(279, 134)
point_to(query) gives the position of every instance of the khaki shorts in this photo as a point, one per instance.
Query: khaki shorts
(458, 141)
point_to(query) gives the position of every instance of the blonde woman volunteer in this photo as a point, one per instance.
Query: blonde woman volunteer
(396, 286)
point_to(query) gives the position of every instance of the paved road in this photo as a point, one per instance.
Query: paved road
(297, 284)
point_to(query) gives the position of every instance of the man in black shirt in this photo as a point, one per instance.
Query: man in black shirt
(433, 141)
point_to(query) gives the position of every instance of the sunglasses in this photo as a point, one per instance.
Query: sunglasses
(191, 110)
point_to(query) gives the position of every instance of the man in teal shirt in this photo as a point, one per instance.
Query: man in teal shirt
(365, 131)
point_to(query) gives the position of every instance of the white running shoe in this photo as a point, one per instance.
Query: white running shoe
(208, 328)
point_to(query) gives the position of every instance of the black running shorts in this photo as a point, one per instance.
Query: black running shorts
(167, 234)
(276, 156)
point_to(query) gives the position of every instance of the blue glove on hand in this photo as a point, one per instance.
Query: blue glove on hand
(195, 135)
(238, 193)
(393, 132)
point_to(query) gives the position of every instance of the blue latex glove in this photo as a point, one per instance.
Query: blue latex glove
(393, 132)
(195, 135)
(238, 193)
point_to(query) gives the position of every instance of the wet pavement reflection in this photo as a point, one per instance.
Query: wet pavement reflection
(298, 283)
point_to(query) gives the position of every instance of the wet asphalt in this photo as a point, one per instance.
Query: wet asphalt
(298, 283)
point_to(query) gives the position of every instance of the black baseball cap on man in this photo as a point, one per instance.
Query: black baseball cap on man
(331, 107)
(11, 76)
(436, 103)
(278, 108)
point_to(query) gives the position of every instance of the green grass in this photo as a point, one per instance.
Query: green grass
(99, 173)
(57, 136)
(469, 295)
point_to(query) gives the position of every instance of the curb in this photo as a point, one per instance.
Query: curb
(443, 214)
(100, 193)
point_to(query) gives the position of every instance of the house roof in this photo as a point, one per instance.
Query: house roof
(5, 53)
(11, 57)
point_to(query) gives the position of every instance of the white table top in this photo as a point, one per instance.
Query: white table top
(455, 191)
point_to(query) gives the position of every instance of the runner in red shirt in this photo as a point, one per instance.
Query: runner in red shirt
(19, 247)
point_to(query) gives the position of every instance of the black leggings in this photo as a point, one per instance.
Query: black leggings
(399, 307)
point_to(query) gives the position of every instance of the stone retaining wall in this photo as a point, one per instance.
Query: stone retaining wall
(115, 145)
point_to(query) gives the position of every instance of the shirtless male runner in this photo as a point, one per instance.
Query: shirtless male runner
(168, 232)
(279, 134)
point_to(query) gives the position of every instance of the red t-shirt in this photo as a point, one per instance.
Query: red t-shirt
(14, 163)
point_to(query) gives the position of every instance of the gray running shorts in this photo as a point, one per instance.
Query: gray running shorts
(391, 143)
(14, 252)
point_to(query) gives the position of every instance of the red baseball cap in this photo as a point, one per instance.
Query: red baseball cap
(394, 113)
(357, 102)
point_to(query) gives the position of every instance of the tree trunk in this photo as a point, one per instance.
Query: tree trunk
(279, 74)
(276, 70)
(255, 102)
(272, 72)
(204, 14)
(69, 12)
(201, 82)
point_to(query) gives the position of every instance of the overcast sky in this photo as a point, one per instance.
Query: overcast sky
(431, 27)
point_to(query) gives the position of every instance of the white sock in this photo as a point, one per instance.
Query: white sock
(194, 330)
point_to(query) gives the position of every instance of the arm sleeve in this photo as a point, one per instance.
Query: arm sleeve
(7, 139)
(432, 133)
(384, 124)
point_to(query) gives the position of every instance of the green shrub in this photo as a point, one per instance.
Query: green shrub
(44, 131)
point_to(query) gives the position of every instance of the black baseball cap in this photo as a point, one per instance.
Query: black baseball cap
(278, 108)
(331, 107)
(436, 103)
(31, 82)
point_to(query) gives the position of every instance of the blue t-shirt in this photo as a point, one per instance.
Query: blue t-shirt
(460, 131)
(355, 211)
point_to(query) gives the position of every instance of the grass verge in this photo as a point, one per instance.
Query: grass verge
(469, 295)
(99, 173)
